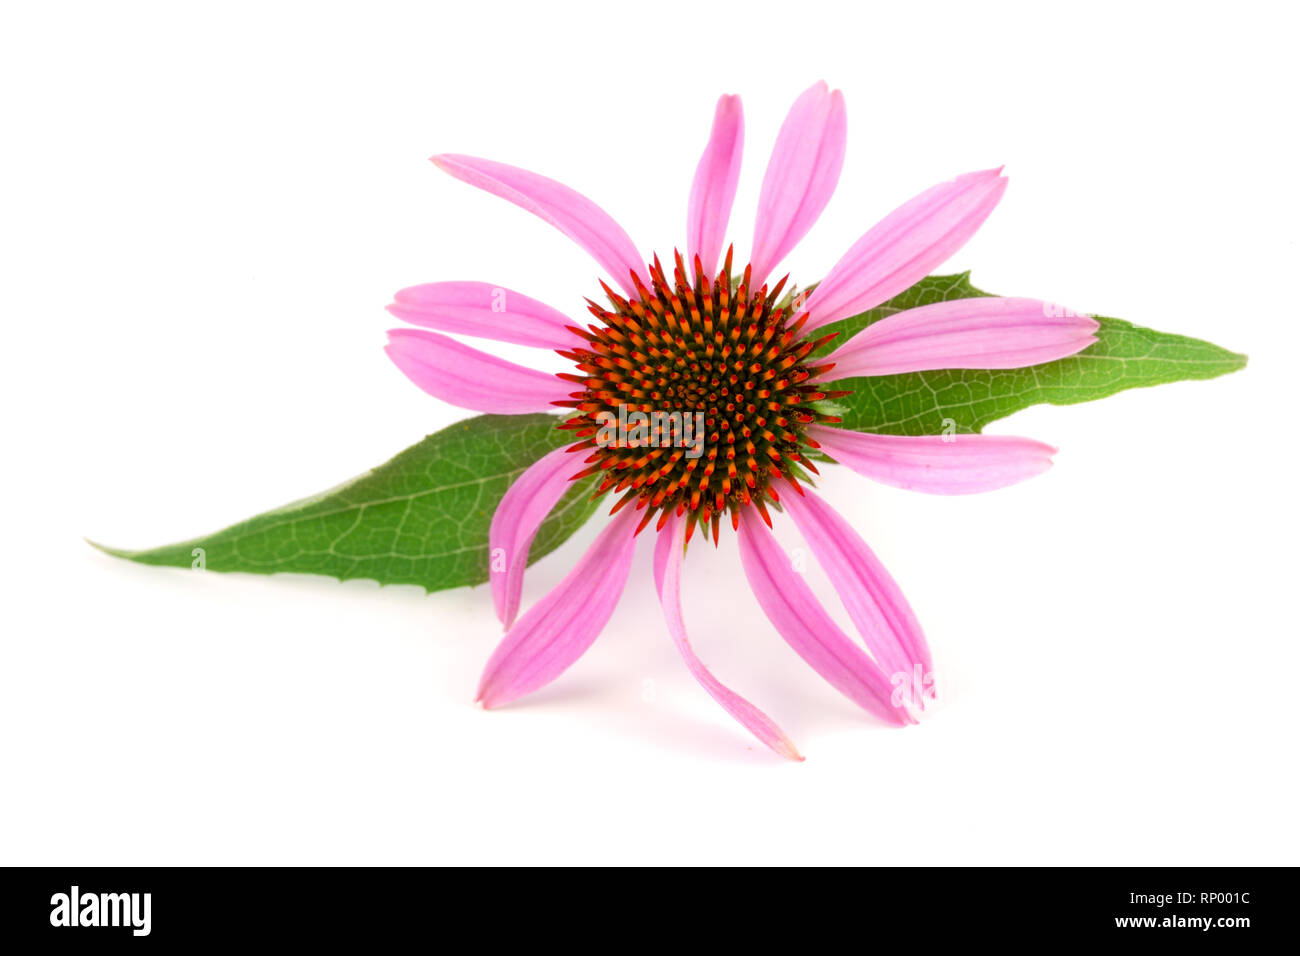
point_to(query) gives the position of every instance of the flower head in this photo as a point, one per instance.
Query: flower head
(723, 375)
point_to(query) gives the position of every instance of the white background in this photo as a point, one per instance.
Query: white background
(205, 209)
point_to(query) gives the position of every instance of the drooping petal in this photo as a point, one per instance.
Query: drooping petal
(905, 246)
(567, 210)
(468, 378)
(521, 512)
(800, 177)
(668, 570)
(937, 464)
(790, 605)
(988, 332)
(874, 602)
(559, 628)
(714, 187)
(485, 310)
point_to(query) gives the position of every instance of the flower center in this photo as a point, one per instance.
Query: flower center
(695, 396)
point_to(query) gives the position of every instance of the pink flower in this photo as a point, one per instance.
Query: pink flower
(729, 348)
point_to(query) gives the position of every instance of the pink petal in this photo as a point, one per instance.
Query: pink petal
(800, 177)
(791, 607)
(714, 188)
(568, 211)
(988, 332)
(468, 378)
(874, 602)
(905, 246)
(483, 309)
(668, 572)
(559, 628)
(515, 522)
(938, 464)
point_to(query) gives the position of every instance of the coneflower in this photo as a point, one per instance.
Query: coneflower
(719, 345)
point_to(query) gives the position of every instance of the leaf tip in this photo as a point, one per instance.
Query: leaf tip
(115, 552)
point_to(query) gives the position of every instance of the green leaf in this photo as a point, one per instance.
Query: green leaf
(422, 518)
(928, 403)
